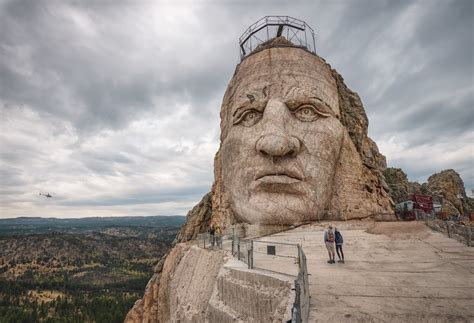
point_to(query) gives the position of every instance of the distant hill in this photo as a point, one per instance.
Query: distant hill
(140, 225)
(75, 270)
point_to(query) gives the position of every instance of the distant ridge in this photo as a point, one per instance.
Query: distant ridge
(34, 225)
(92, 217)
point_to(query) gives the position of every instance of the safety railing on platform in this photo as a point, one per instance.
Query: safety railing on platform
(296, 31)
(280, 257)
(456, 230)
(300, 310)
(209, 241)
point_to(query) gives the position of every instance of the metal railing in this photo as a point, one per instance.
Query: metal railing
(455, 230)
(209, 241)
(300, 310)
(296, 31)
(271, 256)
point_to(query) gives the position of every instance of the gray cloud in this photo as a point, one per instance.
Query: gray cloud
(114, 107)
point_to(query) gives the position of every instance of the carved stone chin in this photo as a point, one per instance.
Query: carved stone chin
(283, 138)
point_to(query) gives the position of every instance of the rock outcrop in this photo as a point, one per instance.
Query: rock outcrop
(176, 293)
(354, 118)
(198, 220)
(155, 304)
(363, 184)
(449, 186)
(446, 187)
(397, 181)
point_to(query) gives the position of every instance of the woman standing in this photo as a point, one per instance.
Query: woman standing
(339, 242)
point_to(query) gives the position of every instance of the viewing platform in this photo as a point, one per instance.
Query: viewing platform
(393, 272)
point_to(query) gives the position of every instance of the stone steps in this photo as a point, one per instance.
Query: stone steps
(249, 296)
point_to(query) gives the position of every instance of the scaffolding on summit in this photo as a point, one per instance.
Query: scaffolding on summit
(291, 32)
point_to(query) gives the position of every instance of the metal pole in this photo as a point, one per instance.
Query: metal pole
(251, 254)
(238, 249)
(305, 40)
(468, 235)
(233, 241)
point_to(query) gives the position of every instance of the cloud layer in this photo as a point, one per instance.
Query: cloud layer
(113, 107)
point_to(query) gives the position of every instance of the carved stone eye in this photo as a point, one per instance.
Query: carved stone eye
(307, 113)
(249, 118)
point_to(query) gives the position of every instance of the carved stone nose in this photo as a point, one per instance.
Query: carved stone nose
(278, 146)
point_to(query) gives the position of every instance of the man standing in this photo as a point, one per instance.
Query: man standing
(212, 236)
(329, 241)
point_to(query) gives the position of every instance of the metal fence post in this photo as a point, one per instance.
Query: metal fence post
(248, 259)
(233, 241)
(238, 248)
(447, 228)
(251, 254)
(468, 235)
(298, 259)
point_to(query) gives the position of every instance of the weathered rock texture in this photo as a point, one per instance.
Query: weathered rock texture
(450, 186)
(155, 304)
(182, 289)
(353, 185)
(397, 181)
(197, 220)
(446, 187)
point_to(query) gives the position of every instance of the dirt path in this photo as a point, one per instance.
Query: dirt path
(399, 272)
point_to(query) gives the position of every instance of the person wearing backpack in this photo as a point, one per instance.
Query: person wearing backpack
(339, 242)
(329, 239)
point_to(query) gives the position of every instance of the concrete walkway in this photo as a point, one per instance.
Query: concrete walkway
(401, 272)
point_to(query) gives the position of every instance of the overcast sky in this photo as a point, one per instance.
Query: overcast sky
(113, 107)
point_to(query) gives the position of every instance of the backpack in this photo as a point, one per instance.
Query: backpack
(330, 236)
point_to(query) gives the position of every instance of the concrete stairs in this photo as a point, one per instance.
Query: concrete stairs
(242, 295)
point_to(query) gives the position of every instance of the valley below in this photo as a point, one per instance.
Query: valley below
(76, 270)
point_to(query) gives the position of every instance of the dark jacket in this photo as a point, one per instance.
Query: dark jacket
(338, 237)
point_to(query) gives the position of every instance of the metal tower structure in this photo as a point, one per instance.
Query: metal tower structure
(296, 31)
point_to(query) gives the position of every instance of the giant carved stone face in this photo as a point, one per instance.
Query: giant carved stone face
(281, 137)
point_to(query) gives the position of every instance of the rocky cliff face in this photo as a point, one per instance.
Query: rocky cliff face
(155, 304)
(398, 184)
(198, 220)
(449, 185)
(446, 187)
(359, 189)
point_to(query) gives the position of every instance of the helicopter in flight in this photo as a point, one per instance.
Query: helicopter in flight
(46, 195)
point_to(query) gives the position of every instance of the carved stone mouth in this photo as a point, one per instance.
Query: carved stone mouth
(285, 177)
(278, 179)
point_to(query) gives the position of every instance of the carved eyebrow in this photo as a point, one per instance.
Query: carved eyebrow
(250, 95)
(326, 106)
(259, 106)
(294, 104)
(249, 100)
